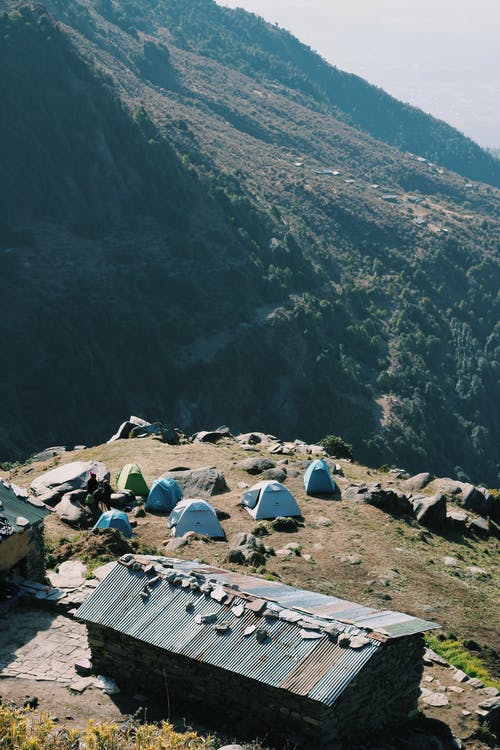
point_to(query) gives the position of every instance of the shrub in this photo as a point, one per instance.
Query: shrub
(336, 446)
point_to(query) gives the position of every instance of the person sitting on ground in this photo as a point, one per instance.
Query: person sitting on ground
(102, 495)
(92, 483)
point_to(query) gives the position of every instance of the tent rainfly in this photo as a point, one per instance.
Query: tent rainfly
(130, 478)
(195, 515)
(115, 519)
(163, 496)
(318, 480)
(269, 499)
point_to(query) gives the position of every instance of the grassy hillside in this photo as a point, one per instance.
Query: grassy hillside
(214, 236)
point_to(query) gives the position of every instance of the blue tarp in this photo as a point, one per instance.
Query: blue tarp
(115, 519)
(164, 495)
(318, 480)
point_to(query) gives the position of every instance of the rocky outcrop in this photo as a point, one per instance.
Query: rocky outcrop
(389, 500)
(72, 476)
(417, 482)
(430, 511)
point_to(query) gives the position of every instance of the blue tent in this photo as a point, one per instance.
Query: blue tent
(164, 495)
(195, 515)
(115, 519)
(318, 480)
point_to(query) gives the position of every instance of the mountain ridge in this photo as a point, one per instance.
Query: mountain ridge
(349, 273)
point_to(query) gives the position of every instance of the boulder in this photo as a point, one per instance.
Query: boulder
(212, 436)
(122, 499)
(246, 549)
(391, 501)
(48, 453)
(155, 428)
(480, 527)
(254, 438)
(204, 482)
(417, 482)
(430, 511)
(69, 510)
(492, 707)
(73, 476)
(71, 574)
(279, 474)
(123, 432)
(255, 465)
(52, 497)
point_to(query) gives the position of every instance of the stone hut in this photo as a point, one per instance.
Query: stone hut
(21, 534)
(274, 660)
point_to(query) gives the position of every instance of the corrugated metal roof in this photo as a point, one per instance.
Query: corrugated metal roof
(12, 507)
(204, 613)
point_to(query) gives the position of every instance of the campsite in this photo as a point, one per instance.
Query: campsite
(341, 545)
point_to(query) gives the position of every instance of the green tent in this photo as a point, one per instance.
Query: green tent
(130, 478)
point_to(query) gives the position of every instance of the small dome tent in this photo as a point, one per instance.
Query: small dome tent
(163, 496)
(130, 478)
(115, 519)
(195, 515)
(318, 480)
(269, 499)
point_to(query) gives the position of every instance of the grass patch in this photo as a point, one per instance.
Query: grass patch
(455, 652)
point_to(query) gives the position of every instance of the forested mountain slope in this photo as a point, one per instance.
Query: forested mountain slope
(194, 227)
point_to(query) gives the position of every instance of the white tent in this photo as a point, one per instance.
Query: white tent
(269, 499)
(195, 515)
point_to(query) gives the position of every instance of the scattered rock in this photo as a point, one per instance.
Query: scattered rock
(31, 702)
(83, 667)
(476, 683)
(255, 465)
(203, 482)
(460, 676)
(321, 521)
(79, 685)
(232, 747)
(102, 571)
(284, 552)
(71, 575)
(139, 512)
(177, 543)
(122, 499)
(349, 559)
(450, 562)
(430, 657)
(430, 511)
(492, 691)
(438, 700)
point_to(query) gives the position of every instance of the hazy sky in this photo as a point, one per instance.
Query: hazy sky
(441, 55)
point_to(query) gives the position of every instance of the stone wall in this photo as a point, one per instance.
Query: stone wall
(383, 695)
(35, 562)
(24, 553)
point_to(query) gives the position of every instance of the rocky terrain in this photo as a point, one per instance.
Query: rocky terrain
(423, 544)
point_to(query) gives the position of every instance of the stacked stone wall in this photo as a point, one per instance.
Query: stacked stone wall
(382, 696)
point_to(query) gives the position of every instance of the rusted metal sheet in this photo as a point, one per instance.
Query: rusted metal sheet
(310, 671)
